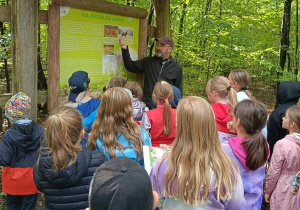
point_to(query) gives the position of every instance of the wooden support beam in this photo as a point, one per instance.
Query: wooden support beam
(104, 6)
(43, 17)
(24, 22)
(162, 18)
(41, 98)
(53, 57)
(142, 46)
(5, 15)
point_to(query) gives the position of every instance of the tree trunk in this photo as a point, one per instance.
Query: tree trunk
(24, 23)
(285, 32)
(162, 18)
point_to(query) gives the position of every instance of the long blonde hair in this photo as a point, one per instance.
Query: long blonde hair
(114, 116)
(62, 134)
(163, 92)
(195, 152)
(221, 86)
(242, 78)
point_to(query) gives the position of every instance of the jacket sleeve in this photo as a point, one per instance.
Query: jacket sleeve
(178, 82)
(36, 177)
(275, 168)
(6, 152)
(130, 65)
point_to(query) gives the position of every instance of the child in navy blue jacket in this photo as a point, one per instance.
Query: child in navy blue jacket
(18, 154)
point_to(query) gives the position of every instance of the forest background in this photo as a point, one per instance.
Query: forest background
(211, 37)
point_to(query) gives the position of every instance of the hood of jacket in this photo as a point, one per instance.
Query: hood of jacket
(294, 137)
(26, 135)
(288, 92)
(239, 150)
(223, 116)
(68, 176)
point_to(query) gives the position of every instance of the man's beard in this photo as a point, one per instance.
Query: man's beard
(158, 54)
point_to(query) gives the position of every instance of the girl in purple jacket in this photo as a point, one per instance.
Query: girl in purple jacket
(249, 149)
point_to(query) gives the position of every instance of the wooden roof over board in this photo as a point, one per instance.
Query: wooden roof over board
(104, 6)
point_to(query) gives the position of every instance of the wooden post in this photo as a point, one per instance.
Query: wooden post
(162, 18)
(24, 20)
(142, 46)
(53, 56)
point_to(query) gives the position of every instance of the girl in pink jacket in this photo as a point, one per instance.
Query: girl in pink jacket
(285, 163)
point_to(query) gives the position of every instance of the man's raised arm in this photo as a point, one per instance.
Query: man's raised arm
(132, 66)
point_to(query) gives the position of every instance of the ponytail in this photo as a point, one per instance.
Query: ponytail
(232, 98)
(167, 119)
(253, 118)
(257, 151)
(62, 134)
(163, 93)
(249, 94)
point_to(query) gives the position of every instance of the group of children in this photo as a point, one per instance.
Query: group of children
(216, 157)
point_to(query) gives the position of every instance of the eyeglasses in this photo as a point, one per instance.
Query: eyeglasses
(158, 44)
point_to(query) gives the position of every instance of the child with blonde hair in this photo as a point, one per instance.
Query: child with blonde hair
(285, 163)
(249, 149)
(64, 169)
(223, 99)
(139, 107)
(239, 80)
(197, 173)
(114, 131)
(161, 122)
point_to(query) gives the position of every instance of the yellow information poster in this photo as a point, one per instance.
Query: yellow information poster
(89, 41)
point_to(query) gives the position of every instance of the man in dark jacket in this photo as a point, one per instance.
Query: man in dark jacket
(288, 95)
(162, 66)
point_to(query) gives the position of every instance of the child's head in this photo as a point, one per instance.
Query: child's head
(163, 94)
(63, 133)
(218, 88)
(18, 107)
(291, 121)
(195, 151)
(135, 89)
(116, 81)
(239, 80)
(79, 84)
(251, 116)
(115, 116)
(121, 183)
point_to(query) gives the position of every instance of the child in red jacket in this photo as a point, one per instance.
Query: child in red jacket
(18, 154)
(161, 122)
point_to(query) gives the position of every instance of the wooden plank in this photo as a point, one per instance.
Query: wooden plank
(41, 98)
(43, 17)
(104, 6)
(53, 56)
(24, 23)
(142, 45)
(5, 15)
